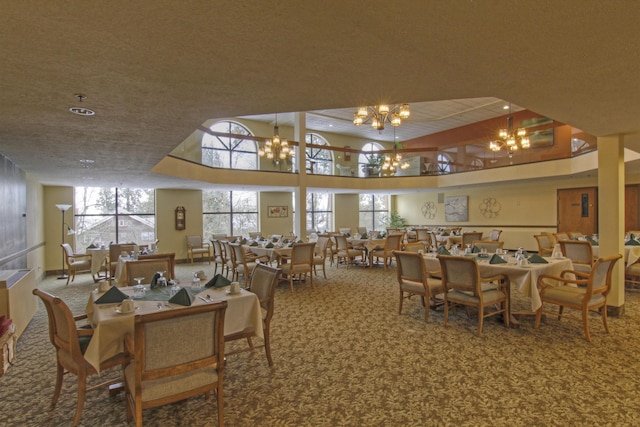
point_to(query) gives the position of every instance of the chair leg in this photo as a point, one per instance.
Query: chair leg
(585, 323)
(68, 277)
(324, 270)
(480, 320)
(604, 318)
(291, 281)
(82, 391)
(401, 299)
(267, 346)
(56, 391)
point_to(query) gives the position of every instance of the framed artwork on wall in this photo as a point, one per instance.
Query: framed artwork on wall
(277, 211)
(456, 209)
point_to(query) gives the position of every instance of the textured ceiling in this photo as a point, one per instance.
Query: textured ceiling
(155, 70)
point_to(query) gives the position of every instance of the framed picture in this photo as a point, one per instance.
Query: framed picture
(456, 209)
(277, 211)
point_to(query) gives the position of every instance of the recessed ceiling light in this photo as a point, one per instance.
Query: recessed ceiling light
(82, 111)
(506, 107)
(87, 161)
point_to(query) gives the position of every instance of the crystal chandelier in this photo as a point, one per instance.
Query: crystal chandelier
(510, 139)
(392, 162)
(276, 148)
(379, 114)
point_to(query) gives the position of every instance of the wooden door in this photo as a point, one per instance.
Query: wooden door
(631, 208)
(578, 210)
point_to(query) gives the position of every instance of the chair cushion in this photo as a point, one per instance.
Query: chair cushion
(298, 268)
(489, 297)
(570, 295)
(173, 385)
(80, 264)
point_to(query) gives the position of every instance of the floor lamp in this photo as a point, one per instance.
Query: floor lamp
(63, 209)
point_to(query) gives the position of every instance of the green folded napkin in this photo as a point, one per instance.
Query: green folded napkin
(632, 242)
(91, 246)
(444, 234)
(254, 244)
(299, 241)
(218, 281)
(274, 239)
(113, 295)
(269, 245)
(154, 281)
(593, 242)
(243, 241)
(537, 259)
(364, 236)
(496, 259)
(181, 298)
(443, 251)
(475, 249)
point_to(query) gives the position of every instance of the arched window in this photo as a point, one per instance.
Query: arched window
(445, 164)
(319, 161)
(369, 164)
(227, 152)
(476, 164)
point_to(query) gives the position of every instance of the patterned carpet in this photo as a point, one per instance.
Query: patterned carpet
(344, 357)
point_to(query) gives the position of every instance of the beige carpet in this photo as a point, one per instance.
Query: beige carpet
(344, 357)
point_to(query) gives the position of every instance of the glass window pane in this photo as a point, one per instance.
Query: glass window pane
(216, 224)
(216, 201)
(245, 201)
(244, 223)
(136, 200)
(135, 228)
(97, 229)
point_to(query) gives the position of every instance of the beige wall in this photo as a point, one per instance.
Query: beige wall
(346, 211)
(35, 226)
(170, 239)
(525, 209)
(276, 225)
(53, 224)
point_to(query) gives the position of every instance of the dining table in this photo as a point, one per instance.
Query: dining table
(631, 253)
(275, 253)
(110, 326)
(523, 277)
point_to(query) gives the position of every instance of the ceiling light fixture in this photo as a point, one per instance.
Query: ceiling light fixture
(393, 161)
(510, 139)
(379, 114)
(81, 111)
(275, 148)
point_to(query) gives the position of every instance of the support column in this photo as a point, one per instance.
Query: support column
(611, 213)
(299, 134)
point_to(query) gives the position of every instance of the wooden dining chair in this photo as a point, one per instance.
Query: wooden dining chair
(585, 292)
(545, 245)
(392, 243)
(167, 365)
(75, 262)
(415, 247)
(263, 283)
(464, 286)
(414, 279)
(469, 237)
(70, 343)
(242, 264)
(320, 255)
(580, 252)
(171, 256)
(147, 269)
(489, 245)
(219, 258)
(196, 246)
(345, 252)
(115, 250)
(301, 263)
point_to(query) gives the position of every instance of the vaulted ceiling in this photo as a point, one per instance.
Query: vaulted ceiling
(154, 70)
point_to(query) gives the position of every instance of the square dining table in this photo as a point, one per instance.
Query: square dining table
(525, 278)
(110, 327)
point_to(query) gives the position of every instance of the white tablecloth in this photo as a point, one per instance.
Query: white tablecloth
(631, 253)
(98, 257)
(524, 278)
(110, 327)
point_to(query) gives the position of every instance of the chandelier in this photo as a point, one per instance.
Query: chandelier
(379, 114)
(276, 148)
(391, 162)
(510, 139)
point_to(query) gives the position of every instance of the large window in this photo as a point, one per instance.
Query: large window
(369, 164)
(226, 152)
(318, 160)
(120, 215)
(320, 211)
(234, 213)
(374, 211)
